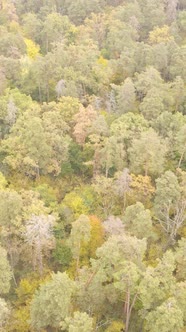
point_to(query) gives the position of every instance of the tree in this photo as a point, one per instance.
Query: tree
(11, 113)
(4, 313)
(167, 191)
(160, 58)
(69, 106)
(153, 15)
(32, 48)
(115, 273)
(104, 187)
(79, 10)
(144, 151)
(160, 35)
(181, 20)
(178, 93)
(56, 28)
(89, 248)
(3, 182)
(115, 326)
(127, 125)
(143, 57)
(5, 273)
(125, 266)
(158, 283)
(51, 304)
(75, 202)
(171, 10)
(122, 185)
(168, 312)
(152, 105)
(119, 37)
(180, 257)
(11, 206)
(180, 294)
(113, 226)
(168, 125)
(38, 235)
(84, 120)
(97, 27)
(169, 205)
(138, 221)
(27, 149)
(180, 144)
(141, 189)
(32, 26)
(148, 79)
(80, 234)
(38, 142)
(177, 65)
(79, 322)
(125, 96)
(20, 312)
(112, 154)
(56, 131)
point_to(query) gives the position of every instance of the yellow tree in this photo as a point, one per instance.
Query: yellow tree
(141, 189)
(160, 35)
(88, 249)
(32, 48)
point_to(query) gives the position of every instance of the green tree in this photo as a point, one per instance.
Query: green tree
(80, 322)
(32, 26)
(138, 221)
(169, 205)
(4, 313)
(51, 304)
(168, 317)
(144, 151)
(129, 124)
(152, 105)
(80, 234)
(112, 154)
(125, 96)
(180, 257)
(5, 273)
(56, 28)
(37, 143)
(148, 79)
(180, 144)
(104, 187)
(126, 268)
(158, 283)
(26, 148)
(11, 205)
(180, 293)
(153, 15)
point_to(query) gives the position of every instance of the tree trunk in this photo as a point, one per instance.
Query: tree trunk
(127, 311)
(181, 158)
(77, 260)
(128, 306)
(146, 168)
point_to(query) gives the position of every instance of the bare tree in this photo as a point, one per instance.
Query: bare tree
(171, 222)
(39, 236)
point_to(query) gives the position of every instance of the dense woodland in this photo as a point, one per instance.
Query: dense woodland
(92, 165)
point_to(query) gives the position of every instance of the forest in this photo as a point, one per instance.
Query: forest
(92, 165)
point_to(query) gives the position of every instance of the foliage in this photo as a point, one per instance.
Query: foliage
(92, 165)
(51, 304)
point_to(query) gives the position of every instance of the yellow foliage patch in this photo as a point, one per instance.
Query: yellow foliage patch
(160, 35)
(102, 61)
(32, 48)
